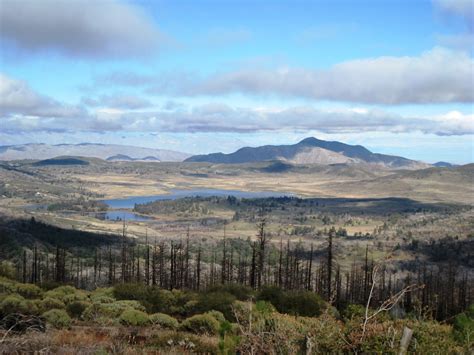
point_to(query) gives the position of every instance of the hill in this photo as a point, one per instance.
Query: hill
(311, 151)
(91, 150)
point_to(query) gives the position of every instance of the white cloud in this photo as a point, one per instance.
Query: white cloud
(78, 28)
(436, 76)
(17, 97)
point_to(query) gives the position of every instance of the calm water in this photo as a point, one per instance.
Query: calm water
(124, 215)
(130, 202)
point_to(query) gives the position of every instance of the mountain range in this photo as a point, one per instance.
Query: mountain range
(111, 152)
(311, 151)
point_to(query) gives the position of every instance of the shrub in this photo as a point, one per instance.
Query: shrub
(110, 310)
(7, 270)
(433, 338)
(51, 303)
(100, 294)
(7, 286)
(134, 318)
(302, 303)
(217, 315)
(130, 291)
(15, 303)
(464, 327)
(201, 324)
(218, 301)
(76, 308)
(67, 294)
(353, 311)
(240, 292)
(29, 291)
(58, 318)
(264, 308)
(164, 321)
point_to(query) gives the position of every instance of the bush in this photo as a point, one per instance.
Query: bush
(110, 310)
(134, 318)
(51, 303)
(7, 270)
(464, 327)
(164, 321)
(217, 301)
(100, 294)
(240, 292)
(201, 324)
(153, 298)
(7, 286)
(75, 309)
(217, 315)
(353, 311)
(433, 338)
(15, 303)
(130, 291)
(29, 291)
(67, 294)
(301, 303)
(58, 318)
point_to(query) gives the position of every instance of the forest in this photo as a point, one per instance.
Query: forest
(193, 286)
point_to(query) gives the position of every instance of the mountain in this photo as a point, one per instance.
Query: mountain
(444, 164)
(311, 151)
(91, 150)
(122, 157)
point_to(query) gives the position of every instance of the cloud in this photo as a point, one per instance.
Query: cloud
(218, 117)
(22, 109)
(123, 101)
(457, 9)
(460, 8)
(17, 97)
(78, 28)
(436, 76)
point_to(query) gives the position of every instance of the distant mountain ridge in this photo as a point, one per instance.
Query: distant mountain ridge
(109, 152)
(311, 151)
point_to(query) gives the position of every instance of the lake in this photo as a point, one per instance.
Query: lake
(124, 215)
(130, 202)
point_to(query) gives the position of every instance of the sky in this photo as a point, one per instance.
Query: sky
(396, 76)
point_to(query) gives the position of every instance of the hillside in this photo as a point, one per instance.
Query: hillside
(311, 151)
(92, 150)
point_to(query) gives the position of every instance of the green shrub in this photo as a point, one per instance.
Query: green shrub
(58, 318)
(433, 338)
(100, 294)
(217, 315)
(110, 310)
(130, 291)
(7, 270)
(302, 303)
(153, 298)
(133, 317)
(240, 292)
(464, 327)
(76, 308)
(164, 321)
(29, 291)
(218, 301)
(201, 324)
(15, 303)
(66, 294)
(264, 308)
(6, 286)
(353, 311)
(51, 303)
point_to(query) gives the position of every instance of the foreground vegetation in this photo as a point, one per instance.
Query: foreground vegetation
(133, 318)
